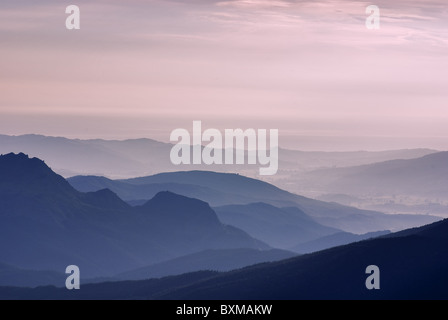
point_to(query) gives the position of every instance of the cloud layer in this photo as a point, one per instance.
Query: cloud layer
(304, 67)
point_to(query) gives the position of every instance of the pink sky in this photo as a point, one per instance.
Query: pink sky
(308, 68)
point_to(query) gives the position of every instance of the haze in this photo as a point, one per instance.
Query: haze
(310, 69)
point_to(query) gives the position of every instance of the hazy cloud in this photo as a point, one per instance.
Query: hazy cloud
(271, 63)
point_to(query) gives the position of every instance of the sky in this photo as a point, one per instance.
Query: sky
(308, 68)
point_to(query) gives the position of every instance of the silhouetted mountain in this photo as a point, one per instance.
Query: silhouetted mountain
(137, 290)
(45, 224)
(309, 160)
(412, 265)
(215, 260)
(142, 157)
(32, 176)
(101, 157)
(293, 172)
(220, 189)
(105, 198)
(239, 189)
(170, 206)
(280, 228)
(139, 157)
(333, 240)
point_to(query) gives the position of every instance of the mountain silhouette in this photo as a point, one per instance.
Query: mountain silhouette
(139, 194)
(424, 177)
(45, 224)
(214, 260)
(333, 240)
(412, 265)
(73, 156)
(220, 189)
(169, 206)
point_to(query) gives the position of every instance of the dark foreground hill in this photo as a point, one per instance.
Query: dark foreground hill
(216, 260)
(279, 227)
(413, 265)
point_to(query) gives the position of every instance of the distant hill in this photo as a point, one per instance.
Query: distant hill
(45, 224)
(142, 157)
(136, 290)
(424, 177)
(412, 265)
(221, 189)
(213, 260)
(12, 276)
(281, 228)
(333, 240)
